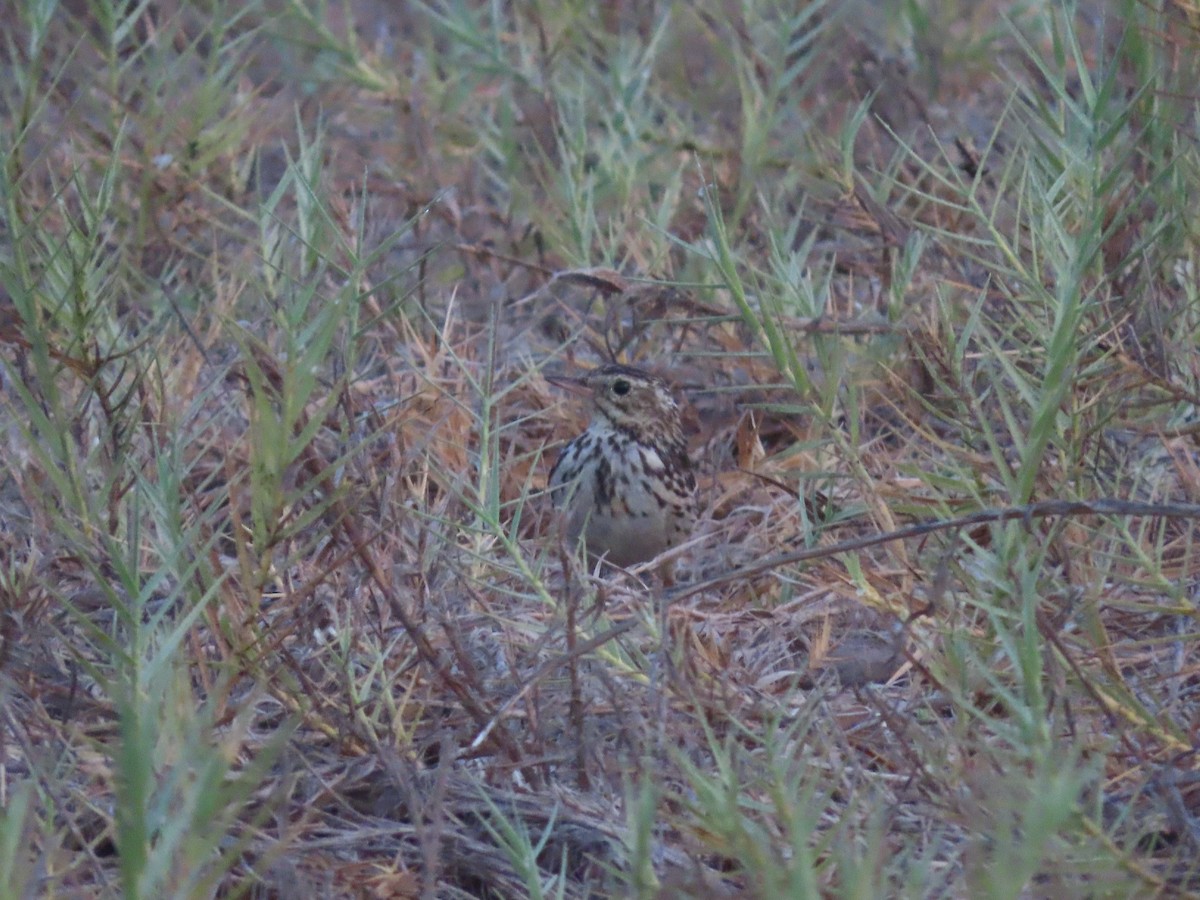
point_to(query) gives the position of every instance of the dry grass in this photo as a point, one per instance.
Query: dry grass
(279, 610)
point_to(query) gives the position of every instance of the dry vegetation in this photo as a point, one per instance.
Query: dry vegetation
(279, 616)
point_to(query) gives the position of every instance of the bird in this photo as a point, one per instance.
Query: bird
(626, 485)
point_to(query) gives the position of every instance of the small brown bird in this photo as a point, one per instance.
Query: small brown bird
(626, 484)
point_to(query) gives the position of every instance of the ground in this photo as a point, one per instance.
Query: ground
(282, 610)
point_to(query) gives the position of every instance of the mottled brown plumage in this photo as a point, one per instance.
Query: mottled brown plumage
(626, 485)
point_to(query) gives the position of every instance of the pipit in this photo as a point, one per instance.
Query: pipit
(625, 485)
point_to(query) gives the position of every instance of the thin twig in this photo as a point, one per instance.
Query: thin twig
(1105, 506)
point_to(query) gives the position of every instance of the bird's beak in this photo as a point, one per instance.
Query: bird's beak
(573, 383)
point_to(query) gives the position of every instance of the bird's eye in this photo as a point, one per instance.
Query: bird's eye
(620, 387)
